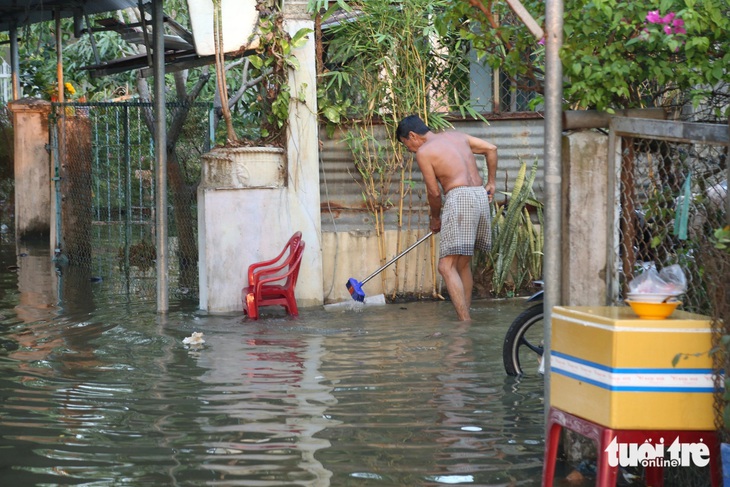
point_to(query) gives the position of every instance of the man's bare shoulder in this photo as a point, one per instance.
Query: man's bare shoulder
(442, 141)
(453, 136)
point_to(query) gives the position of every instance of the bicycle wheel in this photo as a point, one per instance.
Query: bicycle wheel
(523, 343)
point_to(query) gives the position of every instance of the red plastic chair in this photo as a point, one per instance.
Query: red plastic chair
(273, 282)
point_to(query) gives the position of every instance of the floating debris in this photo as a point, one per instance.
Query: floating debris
(196, 339)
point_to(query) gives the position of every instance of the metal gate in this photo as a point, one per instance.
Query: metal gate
(104, 160)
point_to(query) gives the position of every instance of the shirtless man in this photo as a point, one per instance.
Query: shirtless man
(447, 159)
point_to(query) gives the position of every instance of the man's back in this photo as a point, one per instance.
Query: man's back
(451, 158)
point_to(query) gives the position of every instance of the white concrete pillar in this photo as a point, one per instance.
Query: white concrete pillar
(303, 155)
(32, 169)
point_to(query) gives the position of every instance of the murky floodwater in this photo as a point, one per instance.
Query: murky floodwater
(403, 395)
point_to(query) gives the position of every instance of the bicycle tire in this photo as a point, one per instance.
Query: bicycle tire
(515, 339)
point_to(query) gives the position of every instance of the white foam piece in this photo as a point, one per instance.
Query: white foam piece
(377, 300)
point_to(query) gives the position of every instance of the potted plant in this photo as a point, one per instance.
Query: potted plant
(251, 154)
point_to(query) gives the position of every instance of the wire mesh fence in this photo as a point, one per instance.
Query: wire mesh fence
(105, 203)
(672, 198)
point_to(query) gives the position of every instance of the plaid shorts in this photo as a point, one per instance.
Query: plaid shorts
(465, 221)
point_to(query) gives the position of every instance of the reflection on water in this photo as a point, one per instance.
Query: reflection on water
(107, 394)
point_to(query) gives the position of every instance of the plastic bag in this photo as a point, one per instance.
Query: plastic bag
(671, 280)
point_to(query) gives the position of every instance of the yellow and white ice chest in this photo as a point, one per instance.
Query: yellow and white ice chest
(612, 368)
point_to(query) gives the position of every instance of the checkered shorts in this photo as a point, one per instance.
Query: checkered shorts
(465, 221)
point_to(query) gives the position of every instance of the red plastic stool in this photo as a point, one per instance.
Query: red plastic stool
(603, 436)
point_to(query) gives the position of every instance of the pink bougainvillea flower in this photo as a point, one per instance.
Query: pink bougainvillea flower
(667, 19)
(541, 41)
(671, 24)
(653, 17)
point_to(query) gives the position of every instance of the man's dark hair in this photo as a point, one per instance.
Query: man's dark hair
(412, 123)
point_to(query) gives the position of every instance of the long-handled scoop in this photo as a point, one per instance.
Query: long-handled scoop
(355, 286)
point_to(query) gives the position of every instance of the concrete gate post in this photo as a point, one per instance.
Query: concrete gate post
(585, 226)
(303, 155)
(32, 169)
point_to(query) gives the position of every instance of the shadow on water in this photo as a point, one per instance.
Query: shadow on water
(103, 393)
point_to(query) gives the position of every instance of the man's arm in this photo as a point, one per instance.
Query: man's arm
(433, 192)
(489, 151)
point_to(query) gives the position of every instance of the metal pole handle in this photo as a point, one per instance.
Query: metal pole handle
(396, 258)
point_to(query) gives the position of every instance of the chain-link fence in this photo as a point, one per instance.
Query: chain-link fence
(7, 175)
(105, 204)
(672, 197)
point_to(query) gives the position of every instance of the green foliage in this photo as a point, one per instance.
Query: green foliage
(396, 59)
(499, 38)
(37, 51)
(612, 57)
(258, 85)
(722, 238)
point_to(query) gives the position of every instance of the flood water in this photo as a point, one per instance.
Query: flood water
(102, 392)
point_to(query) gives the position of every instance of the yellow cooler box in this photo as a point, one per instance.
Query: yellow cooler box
(612, 368)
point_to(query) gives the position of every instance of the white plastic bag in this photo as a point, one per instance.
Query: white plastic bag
(671, 280)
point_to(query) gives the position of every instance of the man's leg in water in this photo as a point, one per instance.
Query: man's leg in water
(463, 265)
(456, 271)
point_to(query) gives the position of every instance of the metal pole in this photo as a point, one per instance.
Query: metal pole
(62, 174)
(553, 167)
(127, 201)
(391, 261)
(158, 51)
(14, 63)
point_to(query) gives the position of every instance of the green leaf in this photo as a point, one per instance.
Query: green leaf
(676, 359)
(300, 38)
(293, 62)
(718, 72)
(256, 61)
(331, 114)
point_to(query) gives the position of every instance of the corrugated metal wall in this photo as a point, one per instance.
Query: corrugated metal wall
(343, 207)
